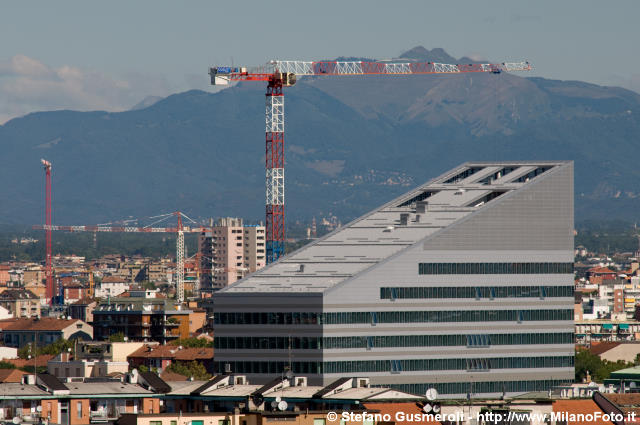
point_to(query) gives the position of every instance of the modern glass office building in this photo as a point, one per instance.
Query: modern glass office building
(464, 284)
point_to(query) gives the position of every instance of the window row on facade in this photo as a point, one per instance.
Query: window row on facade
(482, 387)
(495, 268)
(375, 317)
(478, 292)
(397, 366)
(370, 342)
(447, 364)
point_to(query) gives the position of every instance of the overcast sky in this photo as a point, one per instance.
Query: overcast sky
(109, 55)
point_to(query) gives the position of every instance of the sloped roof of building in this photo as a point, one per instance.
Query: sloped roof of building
(168, 376)
(156, 383)
(107, 388)
(35, 324)
(11, 375)
(173, 352)
(602, 347)
(394, 409)
(382, 233)
(601, 270)
(40, 360)
(17, 294)
(51, 382)
(579, 407)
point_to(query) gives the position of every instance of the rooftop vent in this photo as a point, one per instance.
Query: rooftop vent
(301, 268)
(404, 219)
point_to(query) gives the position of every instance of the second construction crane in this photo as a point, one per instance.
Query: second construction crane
(179, 230)
(279, 74)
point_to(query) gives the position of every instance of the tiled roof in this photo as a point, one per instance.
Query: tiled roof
(168, 376)
(624, 400)
(600, 270)
(17, 294)
(392, 409)
(173, 352)
(44, 324)
(41, 360)
(11, 375)
(602, 347)
(584, 407)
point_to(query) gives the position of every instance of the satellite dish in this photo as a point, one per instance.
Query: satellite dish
(274, 404)
(631, 385)
(427, 408)
(432, 394)
(282, 405)
(278, 399)
(16, 420)
(39, 408)
(289, 374)
(436, 408)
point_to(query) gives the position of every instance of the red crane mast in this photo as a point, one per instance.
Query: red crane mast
(48, 254)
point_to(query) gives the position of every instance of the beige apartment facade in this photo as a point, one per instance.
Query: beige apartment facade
(230, 251)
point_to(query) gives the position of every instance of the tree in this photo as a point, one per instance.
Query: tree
(193, 369)
(54, 349)
(7, 365)
(117, 337)
(598, 369)
(193, 343)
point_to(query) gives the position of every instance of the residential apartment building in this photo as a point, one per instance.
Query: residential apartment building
(20, 332)
(229, 252)
(141, 319)
(20, 302)
(464, 284)
(112, 286)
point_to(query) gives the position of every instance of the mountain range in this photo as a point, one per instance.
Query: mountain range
(351, 143)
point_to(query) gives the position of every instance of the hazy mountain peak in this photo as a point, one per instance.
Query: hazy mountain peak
(146, 102)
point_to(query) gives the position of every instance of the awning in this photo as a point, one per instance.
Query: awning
(607, 326)
(623, 326)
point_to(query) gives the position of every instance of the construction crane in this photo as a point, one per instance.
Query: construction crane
(48, 254)
(179, 230)
(91, 292)
(279, 74)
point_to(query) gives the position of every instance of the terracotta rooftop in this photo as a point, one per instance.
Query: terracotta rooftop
(44, 324)
(600, 270)
(173, 352)
(168, 376)
(17, 294)
(602, 347)
(11, 375)
(392, 408)
(584, 407)
(41, 360)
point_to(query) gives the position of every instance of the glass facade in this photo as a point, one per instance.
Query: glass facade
(392, 293)
(495, 268)
(370, 342)
(374, 317)
(411, 365)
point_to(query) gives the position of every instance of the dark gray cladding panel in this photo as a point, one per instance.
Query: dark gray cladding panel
(537, 216)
